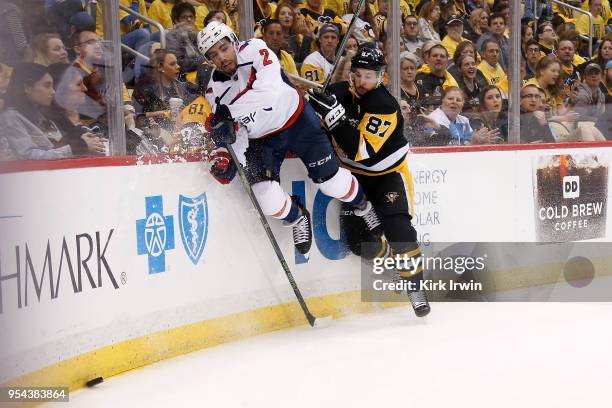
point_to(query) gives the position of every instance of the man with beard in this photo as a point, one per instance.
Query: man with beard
(569, 72)
(369, 142)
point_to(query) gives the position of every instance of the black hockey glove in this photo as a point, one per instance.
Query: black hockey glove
(222, 127)
(328, 107)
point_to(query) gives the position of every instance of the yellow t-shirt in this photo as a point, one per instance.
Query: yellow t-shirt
(494, 75)
(451, 45)
(201, 13)
(142, 9)
(404, 7)
(599, 26)
(606, 11)
(287, 62)
(160, 11)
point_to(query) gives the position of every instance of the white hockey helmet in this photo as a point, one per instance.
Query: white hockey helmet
(212, 34)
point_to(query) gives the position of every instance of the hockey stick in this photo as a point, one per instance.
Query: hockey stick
(342, 45)
(313, 321)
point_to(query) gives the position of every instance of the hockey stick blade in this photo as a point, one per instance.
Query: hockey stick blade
(264, 222)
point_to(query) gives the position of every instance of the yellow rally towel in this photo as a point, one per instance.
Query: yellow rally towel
(449, 80)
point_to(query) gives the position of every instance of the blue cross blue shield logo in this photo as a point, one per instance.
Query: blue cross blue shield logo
(193, 222)
(155, 234)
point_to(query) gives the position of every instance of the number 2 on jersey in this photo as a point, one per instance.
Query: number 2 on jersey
(266, 56)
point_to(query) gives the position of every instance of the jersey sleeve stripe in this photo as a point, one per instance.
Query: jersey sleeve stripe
(248, 86)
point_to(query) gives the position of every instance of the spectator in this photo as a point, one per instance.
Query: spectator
(59, 14)
(344, 69)
(581, 55)
(491, 115)
(318, 65)
(478, 25)
(526, 34)
(216, 15)
(182, 40)
(296, 30)
(589, 102)
(64, 112)
(29, 133)
(433, 77)
(599, 25)
(454, 28)
(534, 125)
(532, 56)
(569, 72)
(274, 39)
(134, 33)
(412, 41)
(604, 53)
(547, 38)
(447, 9)
(548, 79)
(47, 49)
(490, 66)
(606, 84)
(448, 115)
(13, 41)
(468, 83)
(161, 11)
(428, 20)
(365, 28)
(409, 63)
(263, 9)
(152, 95)
(352, 45)
(463, 49)
(497, 28)
(90, 61)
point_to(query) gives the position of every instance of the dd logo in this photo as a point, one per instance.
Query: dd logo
(571, 187)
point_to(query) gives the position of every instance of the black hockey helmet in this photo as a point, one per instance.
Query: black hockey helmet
(368, 57)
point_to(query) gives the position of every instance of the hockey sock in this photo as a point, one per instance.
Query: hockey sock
(294, 213)
(360, 201)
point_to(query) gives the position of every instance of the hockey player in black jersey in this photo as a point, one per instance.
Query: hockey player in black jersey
(369, 141)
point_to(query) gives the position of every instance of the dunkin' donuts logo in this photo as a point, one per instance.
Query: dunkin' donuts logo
(570, 195)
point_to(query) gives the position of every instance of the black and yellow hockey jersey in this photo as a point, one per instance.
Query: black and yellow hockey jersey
(371, 142)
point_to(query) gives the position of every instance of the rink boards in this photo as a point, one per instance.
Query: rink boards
(105, 269)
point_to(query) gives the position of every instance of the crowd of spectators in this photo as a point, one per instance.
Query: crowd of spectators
(454, 69)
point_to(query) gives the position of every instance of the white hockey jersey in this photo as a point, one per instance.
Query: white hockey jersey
(316, 68)
(259, 98)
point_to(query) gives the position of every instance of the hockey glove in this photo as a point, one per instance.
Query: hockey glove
(222, 127)
(331, 111)
(221, 166)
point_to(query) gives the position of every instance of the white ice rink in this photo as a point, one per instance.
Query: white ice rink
(545, 355)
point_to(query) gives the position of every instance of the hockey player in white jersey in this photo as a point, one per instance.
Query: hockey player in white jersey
(248, 90)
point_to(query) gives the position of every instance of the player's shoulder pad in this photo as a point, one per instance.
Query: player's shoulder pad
(252, 44)
(379, 100)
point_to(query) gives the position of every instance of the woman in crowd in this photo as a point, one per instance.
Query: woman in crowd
(526, 36)
(29, 133)
(152, 95)
(409, 64)
(463, 49)
(69, 100)
(216, 15)
(297, 30)
(478, 24)
(604, 54)
(46, 49)
(548, 78)
(449, 116)
(491, 115)
(428, 20)
(468, 83)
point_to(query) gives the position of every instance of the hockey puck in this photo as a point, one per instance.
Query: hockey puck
(95, 381)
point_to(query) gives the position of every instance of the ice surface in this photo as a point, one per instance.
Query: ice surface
(462, 355)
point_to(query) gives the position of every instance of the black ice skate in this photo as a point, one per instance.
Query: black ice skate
(370, 217)
(302, 230)
(419, 303)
